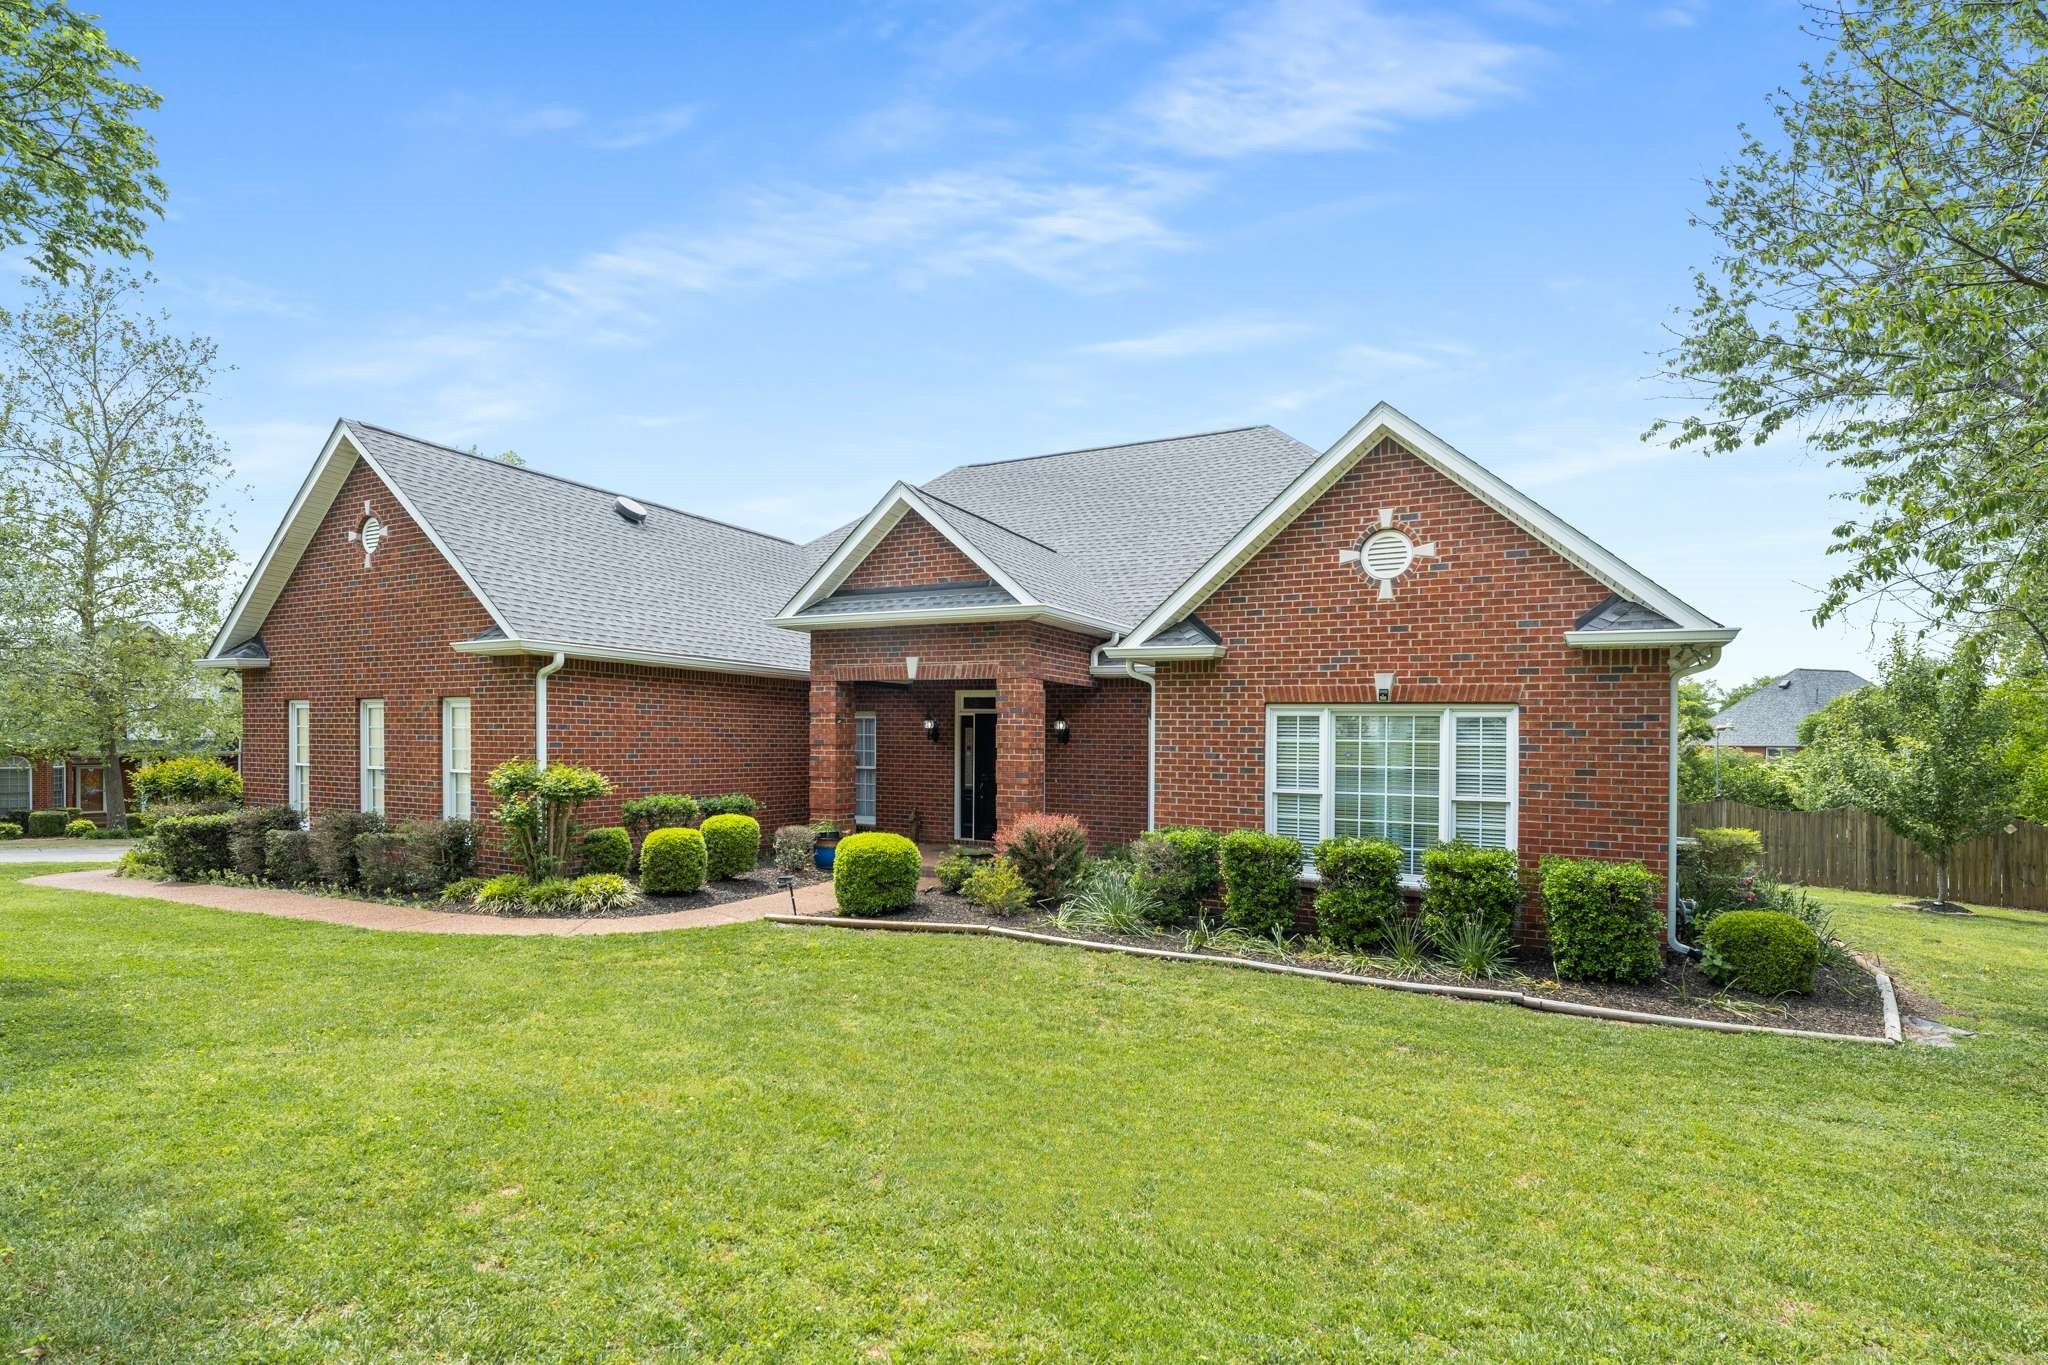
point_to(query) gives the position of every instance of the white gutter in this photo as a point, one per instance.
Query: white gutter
(1704, 659)
(540, 707)
(1147, 675)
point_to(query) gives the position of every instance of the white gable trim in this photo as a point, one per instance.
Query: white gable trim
(874, 528)
(288, 543)
(1386, 420)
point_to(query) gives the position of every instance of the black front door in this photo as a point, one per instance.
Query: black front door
(977, 776)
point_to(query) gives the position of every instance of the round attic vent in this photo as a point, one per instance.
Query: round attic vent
(631, 510)
(1386, 555)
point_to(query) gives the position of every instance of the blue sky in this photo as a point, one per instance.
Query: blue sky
(760, 261)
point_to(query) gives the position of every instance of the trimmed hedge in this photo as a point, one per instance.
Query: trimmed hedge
(1047, 851)
(1261, 880)
(1179, 866)
(1462, 882)
(662, 810)
(1767, 952)
(249, 844)
(188, 782)
(733, 844)
(607, 850)
(48, 824)
(389, 863)
(334, 834)
(1361, 897)
(875, 873)
(194, 847)
(1603, 920)
(81, 828)
(732, 803)
(672, 862)
(288, 857)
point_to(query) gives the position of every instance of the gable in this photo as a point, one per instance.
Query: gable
(914, 555)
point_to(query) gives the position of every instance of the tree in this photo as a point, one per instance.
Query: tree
(1923, 750)
(108, 475)
(2026, 748)
(77, 172)
(1880, 288)
(1772, 783)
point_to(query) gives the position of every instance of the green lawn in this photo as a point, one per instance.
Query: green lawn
(230, 1137)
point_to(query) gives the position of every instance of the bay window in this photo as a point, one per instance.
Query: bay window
(1409, 775)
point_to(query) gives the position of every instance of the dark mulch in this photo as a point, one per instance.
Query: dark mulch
(1845, 998)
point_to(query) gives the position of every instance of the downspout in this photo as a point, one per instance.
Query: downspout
(1695, 662)
(540, 707)
(1146, 674)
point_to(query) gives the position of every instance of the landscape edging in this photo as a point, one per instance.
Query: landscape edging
(1892, 1035)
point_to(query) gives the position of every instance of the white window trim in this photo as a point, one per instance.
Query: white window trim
(60, 784)
(960, 709)
(364, 710)
(451, 808)
(298, 745)
(871, 767)
(28, 769)
(1447, 780)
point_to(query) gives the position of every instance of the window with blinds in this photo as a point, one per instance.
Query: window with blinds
(863, 769)
(298, 740)
(455, 788)
(1411, 776)
(371, 748)
(16, 786)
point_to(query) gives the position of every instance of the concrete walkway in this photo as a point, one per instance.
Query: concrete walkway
(813, 899)
(64, 851)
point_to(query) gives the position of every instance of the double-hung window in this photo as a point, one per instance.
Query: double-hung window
(371, 747)
(59, 770)
(455, 802)
(16, 789)
(1411, 776)
(298, 739)
(863, 768)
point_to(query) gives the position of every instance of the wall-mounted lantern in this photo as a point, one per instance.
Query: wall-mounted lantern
(931, 729)
(1061, 731)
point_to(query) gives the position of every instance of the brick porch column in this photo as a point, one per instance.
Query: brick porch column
(1020, 747)
(832, 752)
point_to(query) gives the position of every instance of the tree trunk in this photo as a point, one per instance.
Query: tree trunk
(1941, 880)
(116, 789)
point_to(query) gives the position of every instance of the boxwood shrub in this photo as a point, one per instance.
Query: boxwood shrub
(288, 857)
(1603, 919)
(1764, 951)
(395, 862)
(81, 828)
(875, 873)
(1462, 883)
(1047, 851)
(608, 849)
(733, 844)
(732, 803)
(1179, 866)
(1360, 898)
(1261, 880)
(194, 847)
(662, 810)
(249, 843)
(334, 835)
(47, 824)
(672, 862)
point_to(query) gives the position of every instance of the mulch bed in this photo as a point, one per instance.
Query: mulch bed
(1845, 999)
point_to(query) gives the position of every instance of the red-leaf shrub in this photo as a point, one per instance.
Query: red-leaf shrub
(1046, 850)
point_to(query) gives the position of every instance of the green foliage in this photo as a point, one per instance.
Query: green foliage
(1762, 951)
(1180, 868)
(141, 863)
(954, 869)
(551, 896)
(607, 849)
(1261, 880)
(874, 873)
(448, 848)
(1046, 850)
(503, 895)
(1405, 944)
(1770, 783)
(732, 803)
(2026, 746)
(462, 891)
(288, 857)
(1361, 891)
(1924, 750)
(672, 862)
(1108, 899)
(81, 828)
(663, 810)
(249, 844)
(1461, 882)
(389, 864)
(1476, 948)
(998, 888)
(1603, 920)
(733, 843)
(334, 835)
(188, 782)
(1718, 869)
(537, 807)
(791, 848)
(1878, 291)
(47, 824)
(9, 830)
(194, 847)
(598, 893)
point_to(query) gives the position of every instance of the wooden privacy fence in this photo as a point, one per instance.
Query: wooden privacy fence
(1852, 849)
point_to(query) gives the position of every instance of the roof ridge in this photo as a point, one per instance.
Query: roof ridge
(978, 516)
(1123, 445)
(563, 478)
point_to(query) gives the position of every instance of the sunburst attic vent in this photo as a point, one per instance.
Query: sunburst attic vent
(630, 510)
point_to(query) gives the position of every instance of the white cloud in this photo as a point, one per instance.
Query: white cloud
(644, 130)
(1362, 369)
(1311, 75)
(1223, 336)
(476, 114)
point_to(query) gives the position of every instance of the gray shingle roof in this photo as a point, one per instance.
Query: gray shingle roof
(562, 566)
(848, 601)
(1187, 631)
(1770, 716)
(1618, 613)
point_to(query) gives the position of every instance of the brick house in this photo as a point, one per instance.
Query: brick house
(1231, 629)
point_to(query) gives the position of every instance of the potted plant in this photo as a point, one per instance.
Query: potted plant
(825, 837)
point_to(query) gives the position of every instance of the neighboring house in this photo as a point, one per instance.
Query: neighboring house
(1230, 629)
(1766, 722)
(38, 784)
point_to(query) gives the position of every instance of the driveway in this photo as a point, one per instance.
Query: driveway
(69, 851)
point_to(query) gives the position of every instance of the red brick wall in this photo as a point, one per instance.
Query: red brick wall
(914, 555)
(1484, 621)
(1099, 773)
